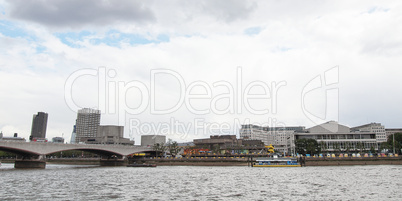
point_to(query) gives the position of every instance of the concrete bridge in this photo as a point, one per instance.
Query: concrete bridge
(33, 154)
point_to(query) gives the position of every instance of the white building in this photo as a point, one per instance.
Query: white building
(391, 131)
(151, 140)
(109, 134)
(334, 136)
(376, 128)
(15, 138)
(282, 138)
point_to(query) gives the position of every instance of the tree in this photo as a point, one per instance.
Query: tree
(372, 149)
(215, 148)
(348, 147)
(337, 147)
(397, 143)
(159, 148)
(228, 151)
(307, 146)
(323, 146)
(173, 147)
(4, 154)
(301, 146)
(312, 146)
(359, 147)
(383, 146)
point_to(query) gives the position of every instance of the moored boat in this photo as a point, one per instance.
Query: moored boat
(277, 162)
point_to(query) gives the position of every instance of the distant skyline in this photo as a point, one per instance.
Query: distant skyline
(313, 61)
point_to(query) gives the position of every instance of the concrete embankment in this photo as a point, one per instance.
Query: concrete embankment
(353, 161)
(199, 163)
(206, 161)
(245, 162)
(74, 161)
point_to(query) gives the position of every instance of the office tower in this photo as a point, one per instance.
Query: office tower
(39, 123)
(87, 124)
(73, 135)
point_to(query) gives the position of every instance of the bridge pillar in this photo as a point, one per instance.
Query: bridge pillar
(114, 161)
(25, 162)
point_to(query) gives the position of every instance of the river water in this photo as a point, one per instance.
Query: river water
(71, 182)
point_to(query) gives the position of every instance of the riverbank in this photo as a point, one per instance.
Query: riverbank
(192, 162)
(244, 161)
(353, 161)
(74, 161)
(229, 161)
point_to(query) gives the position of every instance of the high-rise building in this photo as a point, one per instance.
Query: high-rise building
(87, 124)
(73, 135)
(39, 123)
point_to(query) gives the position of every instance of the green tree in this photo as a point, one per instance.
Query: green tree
(215, 148)
(301, 146)
(323, 147)
(372, 150)
(383, 146)
(159, 148)
(348, 147)
(307, 146)
(4, 154)
(359, 147)
(397, 143)
(173, 147)
(337, 147)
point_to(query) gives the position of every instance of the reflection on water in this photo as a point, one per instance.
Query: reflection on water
(68, 182)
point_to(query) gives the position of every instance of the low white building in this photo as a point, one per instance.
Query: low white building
(108, 134)
(333, 136)
(376, 128)
(282, 138)
(151, 140)
(391, 131)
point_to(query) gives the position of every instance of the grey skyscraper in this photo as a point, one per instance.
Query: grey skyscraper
(87, 124)
(39, 124)
(73, 135)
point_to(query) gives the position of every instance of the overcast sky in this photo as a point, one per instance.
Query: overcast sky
(190, 69)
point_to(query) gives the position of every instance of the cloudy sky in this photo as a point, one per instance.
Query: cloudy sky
(194, 68)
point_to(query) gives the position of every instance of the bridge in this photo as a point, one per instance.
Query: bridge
(33, 154)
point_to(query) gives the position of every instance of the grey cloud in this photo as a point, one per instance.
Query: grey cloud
(78, 13)
(229, 11)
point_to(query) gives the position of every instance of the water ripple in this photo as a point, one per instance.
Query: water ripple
(61, 182)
